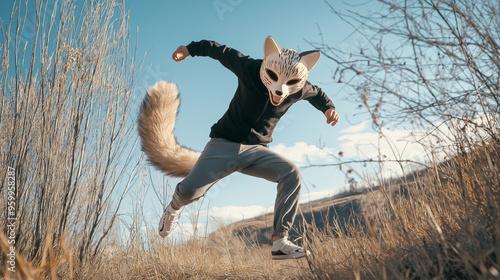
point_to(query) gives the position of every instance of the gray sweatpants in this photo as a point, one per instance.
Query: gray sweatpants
(221, 158)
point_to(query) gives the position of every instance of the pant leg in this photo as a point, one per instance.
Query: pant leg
(261, 162)
(218, 159)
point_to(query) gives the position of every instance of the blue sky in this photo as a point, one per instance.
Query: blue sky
(206, 89)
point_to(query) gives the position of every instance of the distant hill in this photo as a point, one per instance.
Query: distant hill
(342, 209)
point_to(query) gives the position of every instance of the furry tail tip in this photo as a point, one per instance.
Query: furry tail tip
(156, 129)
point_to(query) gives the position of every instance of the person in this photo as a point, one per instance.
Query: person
(266, 90)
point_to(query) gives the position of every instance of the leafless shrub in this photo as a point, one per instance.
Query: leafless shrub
(425, 62)
(66, 97)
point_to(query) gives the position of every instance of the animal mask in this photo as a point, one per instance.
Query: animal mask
(284, 71)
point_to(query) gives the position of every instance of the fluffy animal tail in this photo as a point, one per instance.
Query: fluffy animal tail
(156, 129)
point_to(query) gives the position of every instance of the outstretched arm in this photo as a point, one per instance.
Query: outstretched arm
(229, 57)
(320, 100)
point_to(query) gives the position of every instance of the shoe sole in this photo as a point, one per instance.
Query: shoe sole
(287, 257)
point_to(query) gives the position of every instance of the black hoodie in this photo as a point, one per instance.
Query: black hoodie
(251, 118)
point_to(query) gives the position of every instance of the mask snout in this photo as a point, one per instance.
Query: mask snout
(278, 94)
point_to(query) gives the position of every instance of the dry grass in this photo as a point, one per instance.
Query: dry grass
(422, 229)
(444, 225)
(223, 256)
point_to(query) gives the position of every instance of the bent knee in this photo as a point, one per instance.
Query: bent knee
(292, 173)
(187, 194)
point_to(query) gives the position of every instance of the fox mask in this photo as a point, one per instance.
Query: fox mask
(284, 71)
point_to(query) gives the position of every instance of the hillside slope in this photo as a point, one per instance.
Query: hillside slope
(339, 211)
(342, 209)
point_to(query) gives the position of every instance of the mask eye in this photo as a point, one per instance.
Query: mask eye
(272, 75)
(292, 82)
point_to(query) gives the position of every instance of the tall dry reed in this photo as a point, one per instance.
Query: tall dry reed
(66, 82)
(441, 224)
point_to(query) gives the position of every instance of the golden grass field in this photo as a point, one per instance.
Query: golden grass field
(441, 224)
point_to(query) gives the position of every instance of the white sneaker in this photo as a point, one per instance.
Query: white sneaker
(284, 249)
(168, 221)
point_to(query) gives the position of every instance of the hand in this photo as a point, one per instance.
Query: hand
(332, 117)
(180, 54)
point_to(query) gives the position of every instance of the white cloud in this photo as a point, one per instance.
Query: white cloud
(234, 213)
(183, 231)
(312, 196)
(302, 153)
(421, 145)
(355, 128)
(391, 146)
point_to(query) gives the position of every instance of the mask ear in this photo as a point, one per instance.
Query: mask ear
(270, 47)
(310, 58)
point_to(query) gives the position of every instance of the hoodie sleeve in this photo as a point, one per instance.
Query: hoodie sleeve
(230, 58)
(317, 98)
